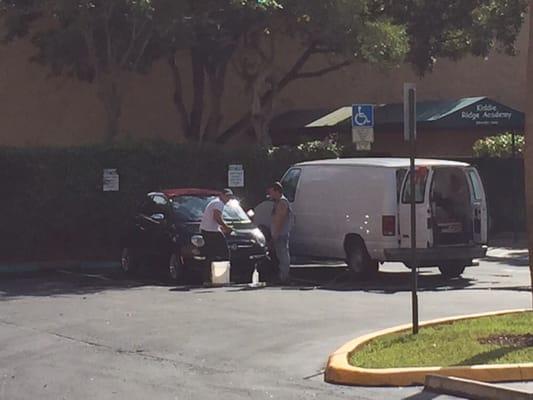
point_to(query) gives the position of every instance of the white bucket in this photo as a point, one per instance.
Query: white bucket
(220, 272)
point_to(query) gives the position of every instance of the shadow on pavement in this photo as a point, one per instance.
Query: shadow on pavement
(330, 278)
(515, 258)
(340, 279)
(423, 395)
(64, 282)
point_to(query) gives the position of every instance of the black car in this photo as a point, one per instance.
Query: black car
(165, 234)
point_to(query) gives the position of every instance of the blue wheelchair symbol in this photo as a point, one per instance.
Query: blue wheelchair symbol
(363, 115)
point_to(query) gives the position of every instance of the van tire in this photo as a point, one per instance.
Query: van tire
(358, 259)
(452, 270)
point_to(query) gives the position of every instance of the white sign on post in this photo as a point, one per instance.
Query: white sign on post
(236, 176)
(111, 180)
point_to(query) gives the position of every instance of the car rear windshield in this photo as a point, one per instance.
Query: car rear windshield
(191, 209)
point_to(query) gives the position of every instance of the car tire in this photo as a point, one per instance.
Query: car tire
(175, 270)
(359, 261)
(128, 261)
(452, 270)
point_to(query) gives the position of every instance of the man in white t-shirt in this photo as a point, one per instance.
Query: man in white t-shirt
(213, 228)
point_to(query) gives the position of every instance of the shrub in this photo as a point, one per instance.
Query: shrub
(500, 146)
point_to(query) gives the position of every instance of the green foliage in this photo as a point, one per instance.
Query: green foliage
(85, 38)
(56, 207)
(446, 345)
(453, 29)
(90, 39)
(500, 146)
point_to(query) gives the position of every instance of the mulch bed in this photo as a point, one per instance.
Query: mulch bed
(509, 340)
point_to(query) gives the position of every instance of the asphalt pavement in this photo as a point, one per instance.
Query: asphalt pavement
(92, 333)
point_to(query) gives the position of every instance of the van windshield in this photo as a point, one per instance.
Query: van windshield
(421, 176)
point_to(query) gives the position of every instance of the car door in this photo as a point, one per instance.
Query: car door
(148, 223)
(140, 236)
(479, 206)
(424, 235)
(156, 226)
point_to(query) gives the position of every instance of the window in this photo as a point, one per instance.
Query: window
(290, 183)
(476, 185)
(421, 176)
(400, 174)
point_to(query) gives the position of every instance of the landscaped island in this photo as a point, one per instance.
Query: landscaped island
(499, 339)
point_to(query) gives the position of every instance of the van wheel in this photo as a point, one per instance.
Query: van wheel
(359, 260)
(452, 270)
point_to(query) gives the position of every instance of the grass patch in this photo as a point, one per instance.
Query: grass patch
(501, 339)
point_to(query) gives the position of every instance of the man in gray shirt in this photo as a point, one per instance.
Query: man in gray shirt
(280, 229)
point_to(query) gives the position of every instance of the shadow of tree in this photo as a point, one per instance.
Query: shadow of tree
(488, 356)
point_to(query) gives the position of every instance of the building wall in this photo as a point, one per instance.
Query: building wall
(38, 109)
(431, 143)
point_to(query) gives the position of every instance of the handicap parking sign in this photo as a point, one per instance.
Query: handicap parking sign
(363, 115)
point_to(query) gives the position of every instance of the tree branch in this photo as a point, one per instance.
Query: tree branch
(107, 16)
(289, 76)
(320, 72)
(244, 121)
(178, 96)
(142, 51)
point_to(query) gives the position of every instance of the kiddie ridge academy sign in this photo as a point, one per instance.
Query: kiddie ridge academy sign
(486, 114)
(481, 112)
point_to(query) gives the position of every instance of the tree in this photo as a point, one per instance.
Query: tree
(339, 31)
(210, 32)
(528, 154)
(377, 31)
(93, 40)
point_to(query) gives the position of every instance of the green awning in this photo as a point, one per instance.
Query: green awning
(469, 112)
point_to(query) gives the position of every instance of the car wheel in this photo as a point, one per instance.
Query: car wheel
(359, 261)
(128, 261)
(175, 269)
(452, 270)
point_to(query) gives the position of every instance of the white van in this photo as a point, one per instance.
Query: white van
(359, 209)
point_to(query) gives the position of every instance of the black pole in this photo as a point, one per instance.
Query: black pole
(513, 183)
(414, 266)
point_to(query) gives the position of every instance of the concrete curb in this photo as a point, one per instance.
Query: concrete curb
(338, 369)
(14, 268)
(473, 389)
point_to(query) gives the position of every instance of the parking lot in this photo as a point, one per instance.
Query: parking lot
(93, 333)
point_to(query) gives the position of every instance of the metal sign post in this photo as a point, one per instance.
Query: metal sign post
(410, 134)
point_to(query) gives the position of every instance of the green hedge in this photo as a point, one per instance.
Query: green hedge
(53, 205)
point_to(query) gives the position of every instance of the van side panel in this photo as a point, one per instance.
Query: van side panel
(336, 200)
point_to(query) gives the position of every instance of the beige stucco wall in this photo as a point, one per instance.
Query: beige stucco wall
(41, 110)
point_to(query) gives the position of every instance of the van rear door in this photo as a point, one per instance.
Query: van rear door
(424, 235)
(479, 206)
